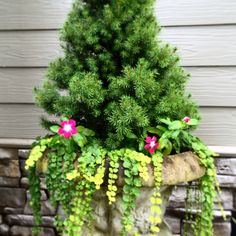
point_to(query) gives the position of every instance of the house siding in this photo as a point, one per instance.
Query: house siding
(203, 31)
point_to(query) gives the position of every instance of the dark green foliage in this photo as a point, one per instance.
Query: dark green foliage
(116, 77)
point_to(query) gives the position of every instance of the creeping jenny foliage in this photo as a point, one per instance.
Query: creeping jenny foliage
(116, 76)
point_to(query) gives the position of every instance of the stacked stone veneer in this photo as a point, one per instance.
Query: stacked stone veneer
(16, 216)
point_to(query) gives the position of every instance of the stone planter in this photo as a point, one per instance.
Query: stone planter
(177, 168)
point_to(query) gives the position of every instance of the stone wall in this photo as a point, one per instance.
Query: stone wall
(16, 216)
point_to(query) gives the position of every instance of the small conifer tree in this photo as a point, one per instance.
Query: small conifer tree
(116, 76)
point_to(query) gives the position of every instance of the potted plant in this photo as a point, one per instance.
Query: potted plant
(125, 124)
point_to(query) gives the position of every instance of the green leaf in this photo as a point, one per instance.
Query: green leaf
(168, 148)
(162, 143)
(137, 182)
(54, 128)
(136, 191)
(134, 169)
(64, 118)
(166, 121)
(127, 173)
(126, 198)
(175, 134)
(88, 132)
(131, 136)
(127, 189)
(141, 146)
(128, 181)
(193, 122)
(127, 164)
(176, 125)
(153, 130)
(80, 139)
(80, 128)
(144, 132)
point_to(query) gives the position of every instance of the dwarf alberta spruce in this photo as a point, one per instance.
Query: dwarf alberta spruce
(116, 81)
(75, 168)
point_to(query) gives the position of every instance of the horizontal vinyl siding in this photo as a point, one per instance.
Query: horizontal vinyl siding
(198, 46)
(50, 14)
(203, 31)
(22, 121)
(209, 86)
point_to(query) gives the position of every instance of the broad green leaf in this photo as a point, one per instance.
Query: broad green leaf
(88, 132)
(80, 139)
(166, 121)
(153, 130)
(80, 128)
(168, 148)
(175, 134)
(131, 136)
(176, 125)
(193, 122)
(162, 143)
(54, 128)
(162, 128)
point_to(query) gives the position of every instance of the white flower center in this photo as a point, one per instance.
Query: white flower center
(67, 128)
(152, 144)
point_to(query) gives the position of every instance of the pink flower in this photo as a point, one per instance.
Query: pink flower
(186, 119)
(67, 128)
(152, 144)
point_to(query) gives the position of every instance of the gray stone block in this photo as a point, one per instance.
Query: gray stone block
(23, 171)
(27, 231)
(24, 182)
(8, 154)
(10, 210)
(174, 224)
(177, 198)
(218, 217)
(46, 209)
(9, 182)
(27, 220)
(23, 153)
(12, 197)
(10, 168)
(222, 229)
(226, 166)
(227, 181)
(4, 230)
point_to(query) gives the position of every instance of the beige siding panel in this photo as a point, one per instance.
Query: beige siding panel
(16, 84)
(50, 14)
(218, 126)
(198, 46)
(209, 86)
(19, 121)
(195, 12)
(33, 14)
(28, 48)
(204, 45)
(213, 86)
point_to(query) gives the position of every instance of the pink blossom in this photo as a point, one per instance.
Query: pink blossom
(186, 119)
(67, 128)
(152, 144)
